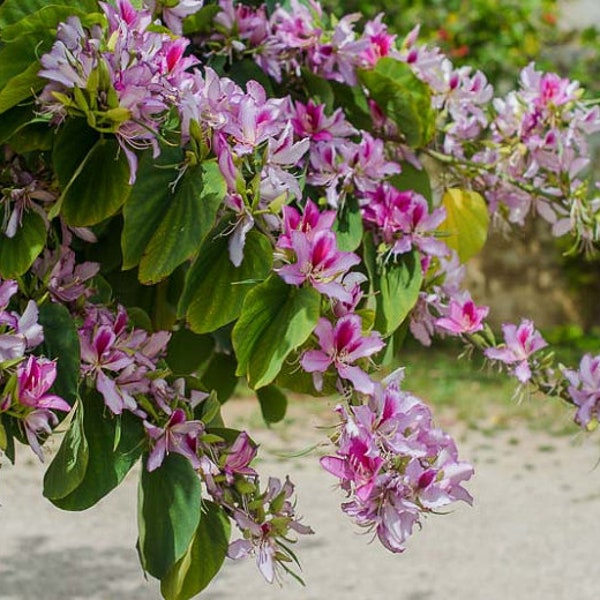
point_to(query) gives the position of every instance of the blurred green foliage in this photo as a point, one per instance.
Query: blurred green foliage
(499, 37)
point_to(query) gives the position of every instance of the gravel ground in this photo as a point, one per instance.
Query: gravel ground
(531, 534)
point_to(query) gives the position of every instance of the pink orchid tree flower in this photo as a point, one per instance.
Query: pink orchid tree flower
(584, 389)
(239, 457)
(34, 378)
(519, 344)
(309, 222)
(463, 317)
(320, 263)
(178, 435)
(342, 345)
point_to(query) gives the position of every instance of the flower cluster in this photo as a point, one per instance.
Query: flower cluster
(540, 143)
(394, 464)
(26, 378)
(123, 79)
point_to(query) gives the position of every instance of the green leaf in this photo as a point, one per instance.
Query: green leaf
(201, 21)
(244, 70)
(276, 318)
(467, 222)
(354, 102)
(168, 513)
(189, 215)
(17, 57)
(14, 120)
(215, 289)
(46, 18)
(20, 87)
(348, 226)
(12, 11)
(402, 97)
(61, 342)
(187, 351)
(219, 375)
(273, 403)
(396, 286)
(319, 89)
(74, 141)
(413, 179)
(149, 199)
(18, 253)
(203, 558)
(67, 470)
(100, 188)
(107, 465)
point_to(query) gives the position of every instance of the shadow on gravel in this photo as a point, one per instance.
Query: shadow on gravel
(34, 572)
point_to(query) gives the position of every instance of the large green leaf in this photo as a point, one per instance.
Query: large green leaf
(396, 285)
(46, 18)
(273, 403)
(404, 98)
(467, 222)
(348, 226)
(100, 188)
(149, 199)
(168, 513)
(276, 318)
(74, 141)
(67, 470)
(215, 289)
(187, 217)
(219, 375)
(61, 342)
(18, 253)
(203, 558)
(187, 351)
(20, 87)
(12, 11)
(115, 444)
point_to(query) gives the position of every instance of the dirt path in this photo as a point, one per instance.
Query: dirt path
(532, 534)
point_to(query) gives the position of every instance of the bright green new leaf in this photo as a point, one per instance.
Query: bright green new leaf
(67, 470)
(273, 403)
(215, 289)
(107, 465)
(18, 253)
(276, 318)
(402, 97)
(186, 219)
(61, 342)
(203, 558)
(467, 222)
(168, 513)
